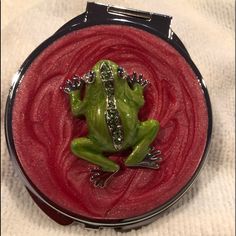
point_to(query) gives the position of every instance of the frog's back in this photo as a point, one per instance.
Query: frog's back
(112, 122)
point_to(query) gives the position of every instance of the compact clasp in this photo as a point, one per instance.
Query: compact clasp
(103, 13)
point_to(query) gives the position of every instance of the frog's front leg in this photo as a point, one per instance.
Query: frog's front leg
(137, 85)
(88, 150)
(142, 155)
(73, 88)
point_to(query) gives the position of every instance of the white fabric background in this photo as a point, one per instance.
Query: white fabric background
(207, 29)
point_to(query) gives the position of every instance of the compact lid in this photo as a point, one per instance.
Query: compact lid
(97, 14)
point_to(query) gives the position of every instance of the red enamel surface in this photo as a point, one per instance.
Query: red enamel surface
(43, 125)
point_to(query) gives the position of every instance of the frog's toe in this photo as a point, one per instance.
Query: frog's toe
(152, 160)
(150, 164)
(154, 155)
(142, 81)
(101, 178)
(71, 85)
(133, 79)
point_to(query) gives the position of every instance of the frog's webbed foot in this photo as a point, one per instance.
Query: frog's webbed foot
(152, 160)
(101, 178)
(77, 82)
(134, 79)
(72, 85)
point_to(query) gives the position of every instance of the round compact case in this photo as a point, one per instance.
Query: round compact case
(108, 121)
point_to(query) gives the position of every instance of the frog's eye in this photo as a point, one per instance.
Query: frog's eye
(120, 72)
(89, 77)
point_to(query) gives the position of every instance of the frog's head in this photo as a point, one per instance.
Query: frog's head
(108, 79)
(105, 69)
(107, 74)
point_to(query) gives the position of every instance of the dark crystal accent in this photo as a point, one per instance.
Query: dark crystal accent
(109, 84)
(120, 72)
(90, 77)
(110, 104)
(110, 92)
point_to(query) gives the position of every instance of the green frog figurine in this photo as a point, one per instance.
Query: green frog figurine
(111, 102)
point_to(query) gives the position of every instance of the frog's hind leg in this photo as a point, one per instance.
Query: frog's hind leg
(89, 151)
(142, 155)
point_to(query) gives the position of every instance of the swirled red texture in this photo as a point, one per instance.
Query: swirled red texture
(43, 126)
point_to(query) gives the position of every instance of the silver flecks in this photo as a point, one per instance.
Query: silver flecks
(112, 115)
